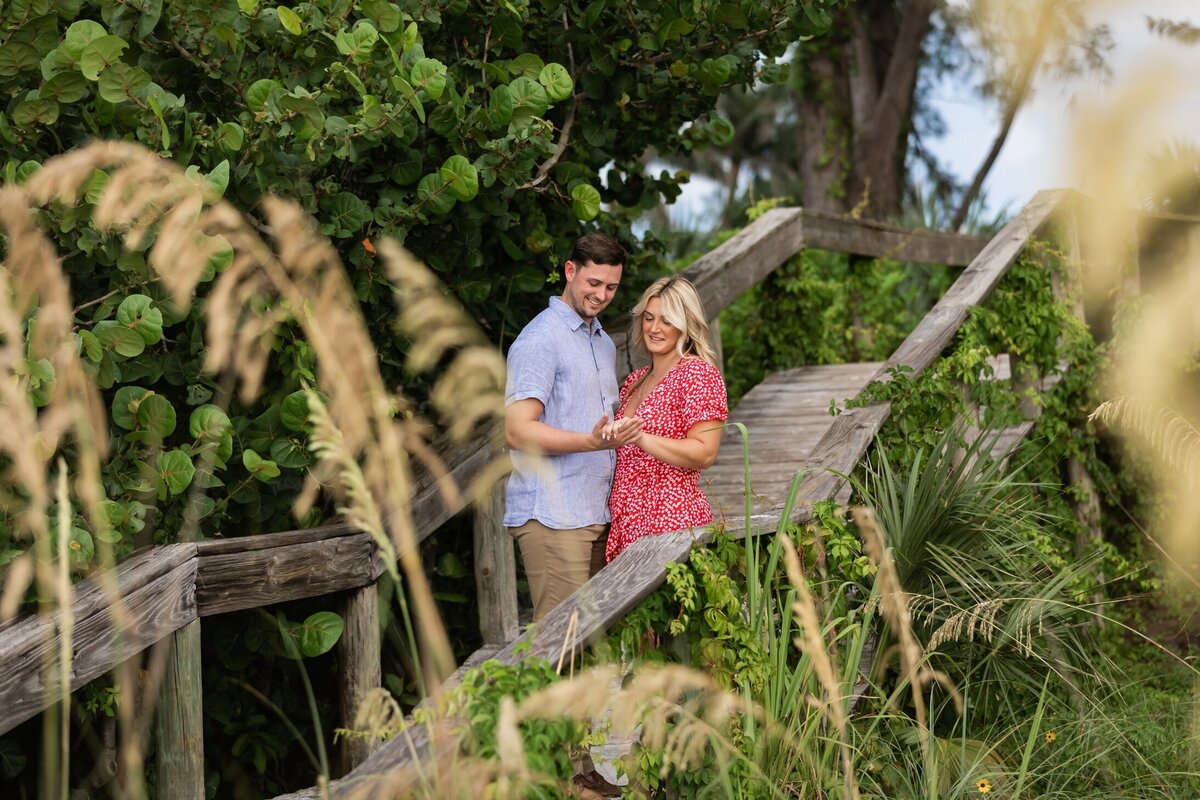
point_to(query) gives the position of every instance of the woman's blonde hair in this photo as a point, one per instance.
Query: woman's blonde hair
(682, 308)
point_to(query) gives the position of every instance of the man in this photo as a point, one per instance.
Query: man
(561, 389)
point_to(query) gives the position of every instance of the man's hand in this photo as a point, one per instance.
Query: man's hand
(611, 434)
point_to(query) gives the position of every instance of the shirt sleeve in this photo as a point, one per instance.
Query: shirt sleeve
(705, 398)
(531, 368)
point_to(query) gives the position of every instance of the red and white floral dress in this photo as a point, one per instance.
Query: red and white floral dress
(649, 496)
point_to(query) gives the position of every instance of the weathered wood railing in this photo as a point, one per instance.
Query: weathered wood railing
(169, 589)
(166, 590)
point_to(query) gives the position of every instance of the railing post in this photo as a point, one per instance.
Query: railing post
(359, 668)
(1068, 288)
(495, 570)
(714, 331)
(180, 746)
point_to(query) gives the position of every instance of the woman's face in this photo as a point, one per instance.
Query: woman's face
(660, 336)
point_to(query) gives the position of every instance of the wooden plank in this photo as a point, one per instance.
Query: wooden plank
(142, 567)
(180, 730)
(495, 570)
(843, 234)
(609, 595)
(359, 668)
(265, 541)
(100, 640)
(755, 252)
(236, 581)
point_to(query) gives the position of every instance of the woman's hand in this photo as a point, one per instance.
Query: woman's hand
(617, 432)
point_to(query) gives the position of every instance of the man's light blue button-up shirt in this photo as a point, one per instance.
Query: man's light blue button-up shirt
(570, 367)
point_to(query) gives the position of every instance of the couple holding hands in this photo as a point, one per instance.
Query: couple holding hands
(585, 455)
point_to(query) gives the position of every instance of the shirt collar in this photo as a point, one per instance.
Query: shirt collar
(570, 316)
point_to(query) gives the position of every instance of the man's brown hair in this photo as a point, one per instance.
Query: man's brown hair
(599, 248)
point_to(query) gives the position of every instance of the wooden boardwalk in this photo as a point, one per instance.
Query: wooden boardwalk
(170, 589)
(785, 417)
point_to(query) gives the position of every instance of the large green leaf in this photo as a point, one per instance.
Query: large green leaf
(100, 54)
(121, 83)
(230, 136)
(156, 415)
(65, 87)
(527, 65)
(585, 201)
(429, 76)
(500, 106)
(261, 468)
(35, 112)
(138, 313)
(259, 92)
(176, 470)
(293, 411)
(344, 215)
(119, 339)
(17, 57)
(81, 33)
(290, 453)
(81, 547)
(460, 177)
(290, 20)
(435, 195)
(557, 82)
(529, 100)
(407, 167)
(209, 423)
(320, 632)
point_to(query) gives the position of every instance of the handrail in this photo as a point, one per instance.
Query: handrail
(724, 273)
(162, 588)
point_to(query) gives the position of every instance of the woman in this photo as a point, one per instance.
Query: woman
(680, 399)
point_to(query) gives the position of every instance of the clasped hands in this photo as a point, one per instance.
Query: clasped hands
(620, 431)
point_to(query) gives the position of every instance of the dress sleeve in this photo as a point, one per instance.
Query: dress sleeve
(705, 397)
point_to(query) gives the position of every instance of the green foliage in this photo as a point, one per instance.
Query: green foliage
(548, 743)
(485, 127)
(1045, 340)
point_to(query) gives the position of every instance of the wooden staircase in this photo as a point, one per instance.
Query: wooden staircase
(790, 430)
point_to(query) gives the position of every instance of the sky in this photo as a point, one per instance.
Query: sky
(1040, 148)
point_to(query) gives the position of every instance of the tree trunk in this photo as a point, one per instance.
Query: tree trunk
(877, 183)
(825, 133)
(855, 109)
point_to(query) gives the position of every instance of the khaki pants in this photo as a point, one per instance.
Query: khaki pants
(557, 562)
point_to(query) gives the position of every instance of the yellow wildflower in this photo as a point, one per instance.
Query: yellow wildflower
(984, 786)
(1050, 737)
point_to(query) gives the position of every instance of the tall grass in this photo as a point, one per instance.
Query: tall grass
(368, 435)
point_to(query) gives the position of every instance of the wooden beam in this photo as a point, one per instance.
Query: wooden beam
(359, 667)
(100, 639)
(864, 237)
(495, 570)
(251, 579)
(754, 253)
(179, 749)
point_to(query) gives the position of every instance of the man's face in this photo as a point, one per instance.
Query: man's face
(590, 287)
